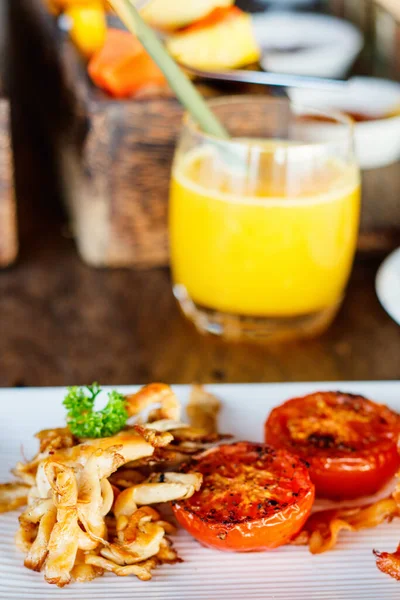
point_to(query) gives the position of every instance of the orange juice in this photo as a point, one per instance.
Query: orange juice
(283, 249)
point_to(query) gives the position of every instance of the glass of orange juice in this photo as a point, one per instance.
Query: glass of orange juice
(263, 226)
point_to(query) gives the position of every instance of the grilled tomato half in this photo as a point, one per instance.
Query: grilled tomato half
(252, 498)
(350, 442)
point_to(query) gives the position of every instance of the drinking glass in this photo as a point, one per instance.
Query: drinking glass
(263, 225)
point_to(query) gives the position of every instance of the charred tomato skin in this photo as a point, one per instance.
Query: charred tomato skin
(252, 498)
(349, 441)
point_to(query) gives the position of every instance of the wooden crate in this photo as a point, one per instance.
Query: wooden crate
(119, 211)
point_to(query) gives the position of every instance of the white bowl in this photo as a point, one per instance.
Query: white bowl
(286, 3)
(388, 285)
(377, 142)
(327, 46)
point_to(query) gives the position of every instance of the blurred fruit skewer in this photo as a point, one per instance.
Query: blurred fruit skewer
(207, 34)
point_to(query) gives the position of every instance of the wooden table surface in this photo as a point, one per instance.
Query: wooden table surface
(63, 323)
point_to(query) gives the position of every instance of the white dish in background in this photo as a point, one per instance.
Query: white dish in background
(348, 571)
(286, 3)
(388, 285)
(378, 141)
(327, 46)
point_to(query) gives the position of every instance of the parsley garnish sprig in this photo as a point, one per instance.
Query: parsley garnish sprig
(84, 422)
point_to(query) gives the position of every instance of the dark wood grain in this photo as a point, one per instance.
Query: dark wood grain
(119, 205)
(63, 323)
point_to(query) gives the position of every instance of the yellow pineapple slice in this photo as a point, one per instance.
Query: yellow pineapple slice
(174, 14)
(222, 40)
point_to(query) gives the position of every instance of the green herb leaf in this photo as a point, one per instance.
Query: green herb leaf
(84, 422)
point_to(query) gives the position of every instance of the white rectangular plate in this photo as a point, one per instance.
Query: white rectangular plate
(290, 573)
